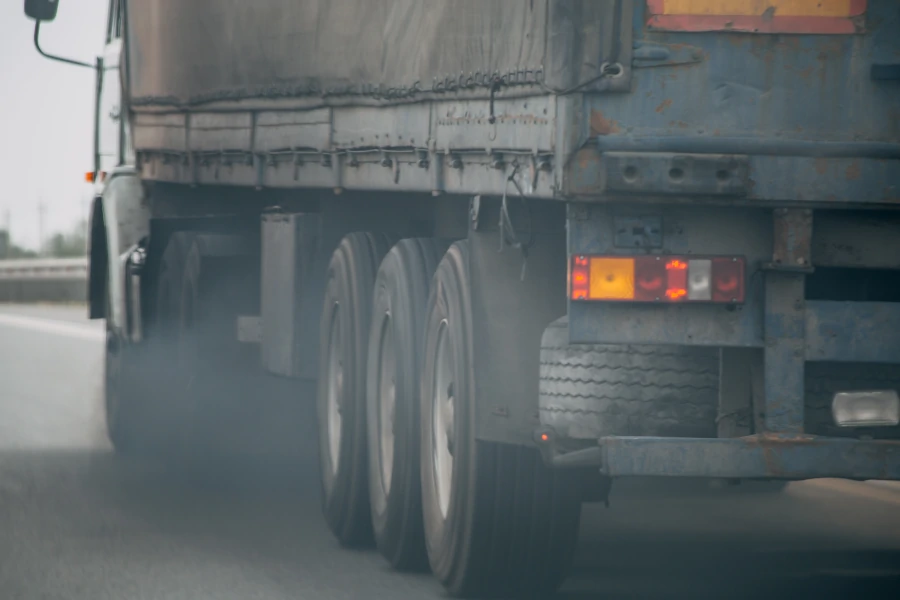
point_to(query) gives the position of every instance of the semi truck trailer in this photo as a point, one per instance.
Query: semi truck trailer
(524, 248)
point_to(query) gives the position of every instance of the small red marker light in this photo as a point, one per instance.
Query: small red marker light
(677, 279)
(545, 437)
(580, 278)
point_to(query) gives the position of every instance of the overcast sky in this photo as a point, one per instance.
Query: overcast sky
(46, 117)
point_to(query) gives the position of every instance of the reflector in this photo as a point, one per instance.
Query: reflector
(699, 280)
(579, 278)
(611, 278)
(676, 272)
(728, 280)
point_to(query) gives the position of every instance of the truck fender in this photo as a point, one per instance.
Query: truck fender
(120, 219)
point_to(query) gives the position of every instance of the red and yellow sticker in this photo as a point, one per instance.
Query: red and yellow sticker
(757, 16)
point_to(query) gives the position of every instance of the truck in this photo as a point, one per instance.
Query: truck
(523, 249)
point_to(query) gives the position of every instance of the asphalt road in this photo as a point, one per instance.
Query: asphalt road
(77, 523)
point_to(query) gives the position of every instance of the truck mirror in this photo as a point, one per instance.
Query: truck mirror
(41, 10)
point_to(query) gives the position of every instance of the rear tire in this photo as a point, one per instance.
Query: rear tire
(201, 370)
(589, 391)
(343, 349)
(392, 396)
(497, 521)
(123, 397)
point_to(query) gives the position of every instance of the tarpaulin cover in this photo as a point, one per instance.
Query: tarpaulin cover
(187, 52)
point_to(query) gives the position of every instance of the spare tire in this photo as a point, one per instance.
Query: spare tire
(591, 390)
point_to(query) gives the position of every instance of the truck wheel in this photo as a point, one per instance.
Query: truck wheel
(588, 391)
(343, 349)
(205, 281)
(392, 398)
(497, 521)
(122, 395)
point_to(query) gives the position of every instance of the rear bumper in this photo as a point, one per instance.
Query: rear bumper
(767, 456)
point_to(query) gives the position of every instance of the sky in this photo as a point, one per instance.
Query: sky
(47, 117)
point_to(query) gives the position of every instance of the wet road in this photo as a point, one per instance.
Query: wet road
(76, 523)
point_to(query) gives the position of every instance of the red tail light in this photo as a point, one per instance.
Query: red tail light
(657, 278)
(649, 278)
(727, 280)
(676, 272)
(580, 277)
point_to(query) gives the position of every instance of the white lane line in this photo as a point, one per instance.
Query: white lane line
(52, 326)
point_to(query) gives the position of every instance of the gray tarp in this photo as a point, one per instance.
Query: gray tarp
(191, 51)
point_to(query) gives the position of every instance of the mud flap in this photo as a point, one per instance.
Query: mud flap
(515, 295)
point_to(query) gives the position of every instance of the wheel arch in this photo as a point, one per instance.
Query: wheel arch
(119, 220)
(98, 261)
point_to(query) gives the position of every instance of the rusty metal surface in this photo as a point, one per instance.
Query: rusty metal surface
(845, 177)
(787, 87)
(751, 457)
(805, 108)
(793, 239)
(784, 326)
(657, 173)
(853, 331)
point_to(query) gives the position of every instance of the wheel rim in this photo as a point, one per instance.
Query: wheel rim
(387, 401)
(442, 420)
(187, 341)
(335, 382)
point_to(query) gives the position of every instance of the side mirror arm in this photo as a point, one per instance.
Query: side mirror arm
(77, 63)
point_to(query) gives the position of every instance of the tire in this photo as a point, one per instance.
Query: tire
(392, 398)
(497, 521)
(202, 372)
(123, 398)
(590, 391)
(343, 349)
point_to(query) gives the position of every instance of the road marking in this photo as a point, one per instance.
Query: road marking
(52, 326)
(872, 490)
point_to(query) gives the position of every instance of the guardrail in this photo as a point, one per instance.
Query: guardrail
(43, 280)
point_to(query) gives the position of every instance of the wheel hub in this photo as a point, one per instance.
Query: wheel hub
(387, 401)
(443, 419)
(335, 385)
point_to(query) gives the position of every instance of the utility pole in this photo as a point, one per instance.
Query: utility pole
(5, 236)
(42, 208)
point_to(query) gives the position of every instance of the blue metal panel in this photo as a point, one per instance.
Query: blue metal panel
(784, 353)
(828, 180)
(679, 325)
(806, 110)
(788, 87)
(853, 331)
(825, 180)
(751, 457)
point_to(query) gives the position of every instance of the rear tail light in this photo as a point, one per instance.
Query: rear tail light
(657, 279)
(580, 278)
